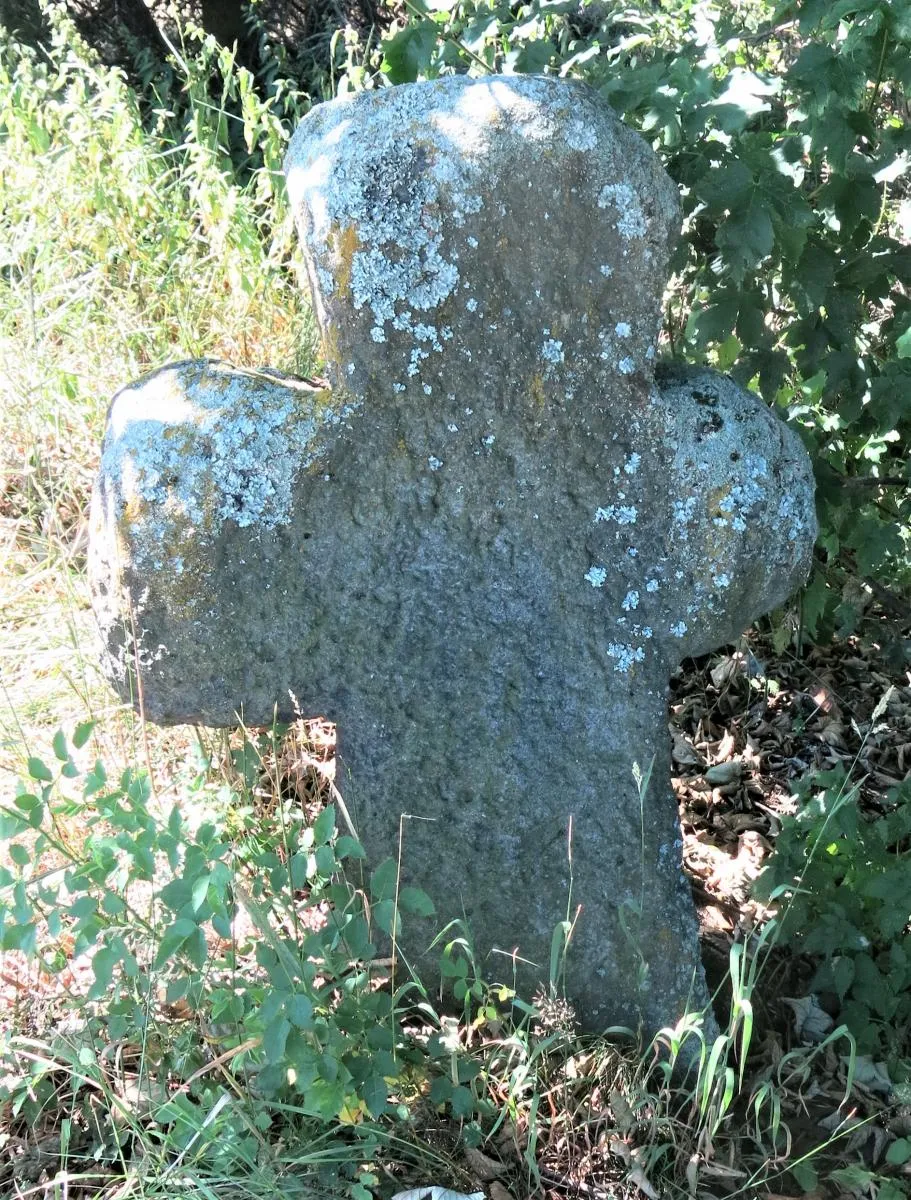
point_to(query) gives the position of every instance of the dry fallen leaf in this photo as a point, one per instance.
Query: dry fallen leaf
(618, 1147)
(485, 1168)
(713, 919)
(724, 749)
(811, 1022)
(638, 1177)
(729, 666)
(869, 1074)
(499, 1192)
(724, 772)
(683, 753)
(623, 1114)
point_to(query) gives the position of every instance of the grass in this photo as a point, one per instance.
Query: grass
(154, 910)
(131, 240)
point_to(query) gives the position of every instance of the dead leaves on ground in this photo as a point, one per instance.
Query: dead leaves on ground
(745, 726)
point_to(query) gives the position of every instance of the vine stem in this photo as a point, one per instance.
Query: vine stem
(877, 83)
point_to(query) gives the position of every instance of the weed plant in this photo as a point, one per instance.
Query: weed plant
(231, 1019)
(843, 876)
(130, 237)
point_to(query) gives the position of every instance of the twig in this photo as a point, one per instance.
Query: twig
(857, 482)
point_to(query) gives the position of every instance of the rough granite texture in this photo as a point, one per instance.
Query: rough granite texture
(486, 549)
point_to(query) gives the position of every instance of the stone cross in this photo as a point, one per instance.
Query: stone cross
(486, 548)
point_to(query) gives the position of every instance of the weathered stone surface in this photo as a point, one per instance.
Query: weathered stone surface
(486, 549)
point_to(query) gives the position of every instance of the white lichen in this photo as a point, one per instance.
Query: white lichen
(625, 655)
(552, 351)
(631, 466)
(213, 443)
(596, 576)
(580, 136)
(621, 514)
(631, 222)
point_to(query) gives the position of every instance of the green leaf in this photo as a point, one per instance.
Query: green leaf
(104, 960)
(39, 771)
(415, 900)
(357, 938)
(712, 323)
(461, 1101)
(27, 802)
(95, 779)
(11, 825)
(728, 353)
(815, 274)
(852, 201)
(805, 1174)
(175, 937)
(19, 854)
(275, 1035)
(874, 541)
(195, 948)
(843, 975)
(815, 598)
(60, 747)
(375, 1093)
(200, 891)
(349, 847)
(300, 1011)
(745, 96)
(899, 1152)
(384, 915)
(534, 57)
(326, 862)
(324, 825)
(297, 870)
(383, 880)
(82, 733)
(852, 1177)
(746, 238)
(903, 344)
(408, 54)
(727, 186)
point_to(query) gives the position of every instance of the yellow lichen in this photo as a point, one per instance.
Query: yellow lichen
(348, 244)
(536, 392)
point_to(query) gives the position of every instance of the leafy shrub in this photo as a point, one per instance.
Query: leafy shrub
(290, 1010)
(842, 876)
(239, 1025)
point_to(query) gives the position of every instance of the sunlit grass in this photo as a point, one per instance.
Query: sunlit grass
(131, 240)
